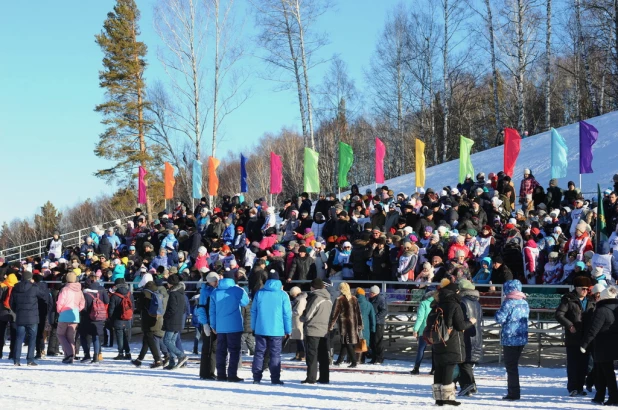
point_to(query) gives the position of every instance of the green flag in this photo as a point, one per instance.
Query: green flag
(311, 175)
(465, 163)
(600, 229)
(346, 158)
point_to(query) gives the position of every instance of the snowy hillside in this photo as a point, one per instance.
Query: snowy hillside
(535, 154)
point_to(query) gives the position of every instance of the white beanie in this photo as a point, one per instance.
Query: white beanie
(374, 289)
(347, 244)
(609, 293)
(598, 288)
(558, 230)
(407, 230)
(202, 250)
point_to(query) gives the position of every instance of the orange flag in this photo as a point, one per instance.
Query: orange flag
(168, 177)
(213, 181)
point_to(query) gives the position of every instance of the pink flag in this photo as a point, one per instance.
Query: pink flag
(276, 174)
(512, 142)
(380, 153)
(141, 186)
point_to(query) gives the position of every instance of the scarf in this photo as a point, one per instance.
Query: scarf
(516, 295)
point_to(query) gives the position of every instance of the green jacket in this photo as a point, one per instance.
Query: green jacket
(369, 316)
(423, 311)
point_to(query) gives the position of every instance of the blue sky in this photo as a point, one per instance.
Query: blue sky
(49, 86)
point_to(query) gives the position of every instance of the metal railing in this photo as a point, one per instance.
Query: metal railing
(38, 248)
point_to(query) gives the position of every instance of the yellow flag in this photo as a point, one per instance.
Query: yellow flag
(420, 163)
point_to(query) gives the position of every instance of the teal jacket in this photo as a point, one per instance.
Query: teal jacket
(423, 311)
(368, 314)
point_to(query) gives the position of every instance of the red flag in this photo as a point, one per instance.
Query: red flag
(380, 153)
(169, 181)
(512, 141)
(276, 174)
(141, 186)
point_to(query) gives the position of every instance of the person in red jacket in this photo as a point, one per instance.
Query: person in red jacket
(581, 242)
(460, 244)
(528, 184)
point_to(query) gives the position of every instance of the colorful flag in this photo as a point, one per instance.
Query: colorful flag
(420, 163)
(559, 154)
(588, 135)
(512, 142)
(380, 154)
(197, 179)
(169, 181)
(141, 186)
(346, 158)
(601, 228)
(213, 180)
(243, 174)
(276, 174)
(465, 162)
(311, 175)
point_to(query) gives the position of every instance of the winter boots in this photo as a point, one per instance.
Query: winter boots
(444, 395)
(415, 371)
(437, 394)
(297, 357)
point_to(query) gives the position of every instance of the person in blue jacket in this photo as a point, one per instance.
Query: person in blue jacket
(209, 344)
(513, 316)
(226, 321)
(483, 276)
(271, 321)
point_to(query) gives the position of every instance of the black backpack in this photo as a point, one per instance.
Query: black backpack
(437, 331)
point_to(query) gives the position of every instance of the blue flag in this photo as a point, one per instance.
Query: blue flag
(559, 154)
(243, 174)
(197, 179)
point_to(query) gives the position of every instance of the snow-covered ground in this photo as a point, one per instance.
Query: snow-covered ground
(535, 154)
(119, 385)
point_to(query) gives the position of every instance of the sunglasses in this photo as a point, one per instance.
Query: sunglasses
(582, 288)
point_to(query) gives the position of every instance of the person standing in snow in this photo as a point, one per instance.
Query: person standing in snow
(70, 302)
(271, 321)
(473, 336)
(209, 345)
(346, 314)
(315, 319)
(299, 303)
(575, 314)
(603, 332)
(419, 327)
(377, 338)
(513, 316)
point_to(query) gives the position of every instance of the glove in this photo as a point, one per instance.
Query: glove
(206, 329)
(581, 349)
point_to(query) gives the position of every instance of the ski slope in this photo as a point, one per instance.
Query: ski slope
(119, 385)
(535, 154)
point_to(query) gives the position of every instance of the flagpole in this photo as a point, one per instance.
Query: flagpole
(339, 188)
(271, 199)
(580, 182)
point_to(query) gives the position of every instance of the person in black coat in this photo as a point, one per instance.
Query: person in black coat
(575, 314)
(451, 353)
(361, 252)
(88, 328)
(604, 331)
(473, 336)
(380, 261)
(24, 302)
(105, 246)
(44, 307)
(303, 266)
(173, 321)
(305, 205)
(500, 273)
(122, 328)
(378, 300)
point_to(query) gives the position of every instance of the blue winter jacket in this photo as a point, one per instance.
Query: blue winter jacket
(271, 311)
(200, 309)
(483, 276)
(513, 316)
(228, 234)
(225, 302)
(170, 239)
(119, 272)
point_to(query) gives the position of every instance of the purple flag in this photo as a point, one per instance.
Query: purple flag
(587, 137)
(141, 191)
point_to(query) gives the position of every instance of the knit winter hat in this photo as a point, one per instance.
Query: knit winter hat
(71, 277)
(465, 284)
(445, 282)
(609, 293)
(295, 291)
(598, 288)
(212, 277)
(317, 283)
(27, 275)
(374, 289)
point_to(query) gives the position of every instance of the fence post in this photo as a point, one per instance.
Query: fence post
(20, 252)
(384, 288)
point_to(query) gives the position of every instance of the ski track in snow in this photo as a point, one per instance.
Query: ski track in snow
(535, 154)
(119, 385)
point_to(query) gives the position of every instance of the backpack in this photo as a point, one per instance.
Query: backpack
(126, 306)
(98, 311)
(155, 308)
(436, 330)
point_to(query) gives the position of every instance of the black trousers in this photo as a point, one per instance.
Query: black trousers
(208, 361)
(576, 367)
(376, 341)
(466, 374)
(444, 373)
(605, 378)
(52, 341)
(12, 337)
(148, 342)
(511, 363)
(317, 353)
(40, 337)
(349, 349)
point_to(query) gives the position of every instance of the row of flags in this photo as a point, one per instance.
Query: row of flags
(588, 135)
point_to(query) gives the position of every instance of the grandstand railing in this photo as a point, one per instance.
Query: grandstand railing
(38, 248)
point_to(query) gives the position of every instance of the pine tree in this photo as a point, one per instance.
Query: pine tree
(124, 140)
(47, 221)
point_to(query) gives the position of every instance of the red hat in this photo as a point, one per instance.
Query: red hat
(216, 210)
(509, 226)
(225, 248)
(240, 229)
(36, 272)
(535, 231)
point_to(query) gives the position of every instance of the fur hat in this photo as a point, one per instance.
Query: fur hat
(582, 282)
(295, 291)
(609, 293)
(598, 288)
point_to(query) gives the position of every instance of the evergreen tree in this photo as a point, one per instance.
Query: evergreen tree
(124, 139)
(47, 221)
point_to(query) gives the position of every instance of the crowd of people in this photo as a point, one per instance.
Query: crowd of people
(250, 275)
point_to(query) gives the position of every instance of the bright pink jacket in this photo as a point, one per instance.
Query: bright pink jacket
(70, 302)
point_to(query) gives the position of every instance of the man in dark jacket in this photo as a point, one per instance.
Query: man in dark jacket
(122, 328)
(377, 338)
(604, 331)
(24, 302)
(303, 266)
(89, 328)
(305, 205)
(173, 321)
(575, 313)
(473, 336)
(361, 252)
(315, 319)
(44, 307)
(500, 273)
